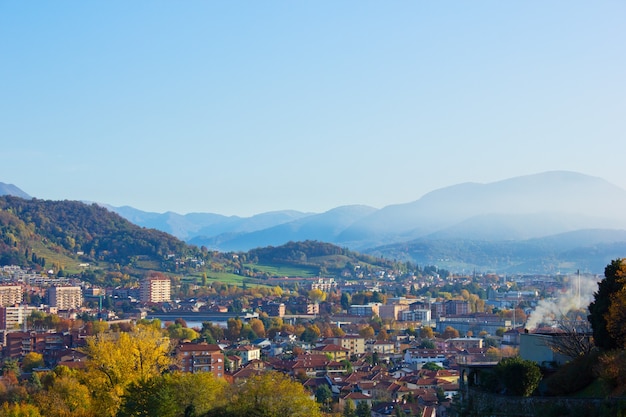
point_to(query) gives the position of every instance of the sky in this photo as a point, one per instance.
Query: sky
(244, 107)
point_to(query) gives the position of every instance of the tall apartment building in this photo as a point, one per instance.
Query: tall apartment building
(155, 290)
(65, 298)
(12, 317)
(10, 295)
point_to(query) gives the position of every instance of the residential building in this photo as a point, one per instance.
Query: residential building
(416, 315)
(392, 311)
(367, 310)
(201, 357)
(248, 353)
(274, 309)
(14, 317)
(324, 284)
(65, 298)
(355, 344)
(10, 295)
(465, 343)
(155, 290)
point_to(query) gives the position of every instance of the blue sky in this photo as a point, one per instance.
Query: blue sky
(244, 107)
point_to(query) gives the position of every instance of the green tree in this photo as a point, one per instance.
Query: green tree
(324, 396)
(363, 410)
(345, 301)
(147, 398)
(518, 376)
(348, 409)
(431, 366)
(599, 310)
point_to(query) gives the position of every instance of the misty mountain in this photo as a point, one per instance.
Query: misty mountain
(585, 250)
(322, 227)
(529, 204)
(10, 189)
(547, 221)
(195, 226)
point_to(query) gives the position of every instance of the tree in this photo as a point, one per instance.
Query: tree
(317, 295)
(324, 396)
(518, 376)
(574, 338)
(311, 334)
(32, 360)
(450, 333)
(115, 360)
(147, 398)
(272, 394)
(234, 326)
(612, 283)
(426, 332)
(345, 301)
(257, 327)
(363, 409)
(431, 366)
(348, 409)
(367, 332)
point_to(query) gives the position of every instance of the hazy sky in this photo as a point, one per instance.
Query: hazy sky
(242, 107)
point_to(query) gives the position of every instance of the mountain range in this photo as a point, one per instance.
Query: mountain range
(557, 221)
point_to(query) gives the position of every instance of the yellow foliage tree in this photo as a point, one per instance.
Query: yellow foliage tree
(273, 394)
(118, 359)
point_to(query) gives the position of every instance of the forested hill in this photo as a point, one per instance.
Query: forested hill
(313, 253)
(30, 229)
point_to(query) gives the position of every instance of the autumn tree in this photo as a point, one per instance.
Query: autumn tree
(426, 332)
(32, 360)
(367, 332)
(268, 395)
(115, 360)
(233, 329)
(450, 333)
(257, 327)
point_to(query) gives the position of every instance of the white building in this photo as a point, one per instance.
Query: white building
(155, 290)
(10, 295)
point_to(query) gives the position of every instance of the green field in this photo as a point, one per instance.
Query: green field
(226, 278)
(286, 270)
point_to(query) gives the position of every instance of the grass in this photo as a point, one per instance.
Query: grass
(286, 270)
(226, 278)
(52, 257)
(597, 389)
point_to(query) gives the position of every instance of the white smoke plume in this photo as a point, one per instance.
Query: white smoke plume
(577, 294)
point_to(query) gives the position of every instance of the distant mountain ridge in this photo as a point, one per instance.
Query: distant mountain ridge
(523, 217)
(10, 189)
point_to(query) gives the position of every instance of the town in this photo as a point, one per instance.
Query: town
(388, 343)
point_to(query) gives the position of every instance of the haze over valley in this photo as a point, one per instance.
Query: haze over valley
(549, 222)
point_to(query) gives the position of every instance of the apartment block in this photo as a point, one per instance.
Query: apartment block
(155, 290)
(201, 357)
(10, 295)
(65, 298)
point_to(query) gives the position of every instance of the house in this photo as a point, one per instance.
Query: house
(201, 357)
(381, 346)
(355, 344)
(336, 352)
(356, 397)
(248, 353)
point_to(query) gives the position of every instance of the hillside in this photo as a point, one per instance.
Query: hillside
(62, 235)
(41, 233)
